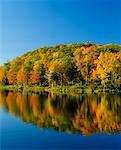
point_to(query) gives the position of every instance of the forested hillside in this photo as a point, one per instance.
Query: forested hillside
(72, 64)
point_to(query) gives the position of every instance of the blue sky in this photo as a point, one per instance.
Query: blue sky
(29, 24)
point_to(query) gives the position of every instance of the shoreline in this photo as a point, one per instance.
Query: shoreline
(58, 89)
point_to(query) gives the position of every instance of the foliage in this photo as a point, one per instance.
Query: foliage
(110, 48)
(84, 64)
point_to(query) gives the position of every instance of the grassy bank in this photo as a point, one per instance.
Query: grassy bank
(57, 89)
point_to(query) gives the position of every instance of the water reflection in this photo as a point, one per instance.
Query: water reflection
(85, 114)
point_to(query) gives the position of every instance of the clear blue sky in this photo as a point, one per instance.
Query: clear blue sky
(29, 24)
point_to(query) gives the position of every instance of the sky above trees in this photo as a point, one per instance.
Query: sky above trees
(29, 24)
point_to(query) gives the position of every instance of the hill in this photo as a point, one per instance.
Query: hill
(72, 64)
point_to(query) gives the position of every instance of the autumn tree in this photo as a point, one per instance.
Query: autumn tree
(109, 68)
(38, 72)
(15, 65)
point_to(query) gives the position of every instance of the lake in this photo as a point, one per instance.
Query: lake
(56, 121)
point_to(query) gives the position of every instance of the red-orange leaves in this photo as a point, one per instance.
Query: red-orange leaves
(34, 77)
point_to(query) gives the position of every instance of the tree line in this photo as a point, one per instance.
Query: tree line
(72, 64)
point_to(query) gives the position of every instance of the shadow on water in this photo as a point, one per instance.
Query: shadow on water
(85, 114)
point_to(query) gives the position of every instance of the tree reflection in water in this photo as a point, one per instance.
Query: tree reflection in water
(86, 114)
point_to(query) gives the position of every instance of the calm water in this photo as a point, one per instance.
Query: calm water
(47, 120)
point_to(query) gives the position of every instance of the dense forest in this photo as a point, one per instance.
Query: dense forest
(77, 64)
